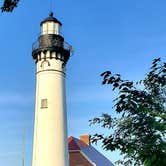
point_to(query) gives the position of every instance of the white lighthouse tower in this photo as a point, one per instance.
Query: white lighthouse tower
(51, 54)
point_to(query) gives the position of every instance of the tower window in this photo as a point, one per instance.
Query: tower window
(44, 103)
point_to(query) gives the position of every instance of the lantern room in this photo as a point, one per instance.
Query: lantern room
(50, 25)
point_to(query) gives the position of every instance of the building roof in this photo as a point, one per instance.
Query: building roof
(89, 151)
(51, 18)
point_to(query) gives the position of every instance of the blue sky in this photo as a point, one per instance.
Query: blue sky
(122, 36)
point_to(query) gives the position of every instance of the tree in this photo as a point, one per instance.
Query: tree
(139, 132)
(9, 5)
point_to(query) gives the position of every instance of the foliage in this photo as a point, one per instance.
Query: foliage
(140, 131)
(9, 5)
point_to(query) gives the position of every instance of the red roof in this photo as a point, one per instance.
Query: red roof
(89, 151)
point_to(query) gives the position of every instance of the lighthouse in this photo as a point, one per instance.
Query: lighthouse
(50, 54)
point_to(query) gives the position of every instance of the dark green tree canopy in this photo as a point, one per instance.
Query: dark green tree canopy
(9, 5)
(139, 132)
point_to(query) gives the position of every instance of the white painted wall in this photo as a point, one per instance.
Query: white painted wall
(50, 146)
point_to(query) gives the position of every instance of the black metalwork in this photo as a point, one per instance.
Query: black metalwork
(52, 43)
(51, 18)
(50, 40)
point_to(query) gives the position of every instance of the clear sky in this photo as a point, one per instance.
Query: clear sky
(119, 35)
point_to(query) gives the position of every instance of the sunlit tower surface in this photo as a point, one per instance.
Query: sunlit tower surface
(51, 54)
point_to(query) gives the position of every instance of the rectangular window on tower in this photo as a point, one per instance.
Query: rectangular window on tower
(44, 103)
